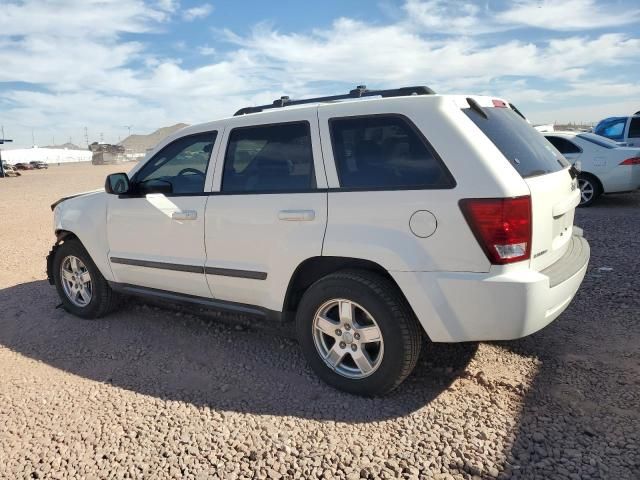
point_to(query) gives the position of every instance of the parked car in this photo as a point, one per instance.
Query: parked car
(605, 166)
(360, 225)
(625, 130)
(39, 165)
(9, 171)
(23, 166)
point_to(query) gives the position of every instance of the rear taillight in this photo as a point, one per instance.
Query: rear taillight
(631, 161)
(502, 226)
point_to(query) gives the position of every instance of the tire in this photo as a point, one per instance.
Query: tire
(377, 302)
(99, 300)
(590, 189)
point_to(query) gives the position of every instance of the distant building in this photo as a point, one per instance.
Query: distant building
(47, 155)
(106, 154)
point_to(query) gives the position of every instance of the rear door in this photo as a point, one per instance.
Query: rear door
(554, 191)
(268, 209)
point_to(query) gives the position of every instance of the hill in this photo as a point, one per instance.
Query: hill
(141, 143)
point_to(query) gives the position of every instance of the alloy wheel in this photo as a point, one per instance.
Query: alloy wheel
(76, 281)
(587, 190)
(348, 338)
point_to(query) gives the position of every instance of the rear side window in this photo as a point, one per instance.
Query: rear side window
(269, 158)
(525, 148)
(563, 145)
(385, 152)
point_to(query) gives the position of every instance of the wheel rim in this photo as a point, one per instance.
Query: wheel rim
(76, 281)
(348, 338)
(587, 190)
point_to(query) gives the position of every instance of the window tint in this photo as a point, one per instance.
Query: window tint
(182, 164)
(384, 151)
(526, 149)
(269, 158)
(563, 145)
(634, 128)
(612, 128)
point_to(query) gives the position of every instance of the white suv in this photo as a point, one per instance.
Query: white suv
(364, 222)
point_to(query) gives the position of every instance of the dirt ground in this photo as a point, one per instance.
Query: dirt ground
(159, 393)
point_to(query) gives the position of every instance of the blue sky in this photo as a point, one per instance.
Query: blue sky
(104, 64)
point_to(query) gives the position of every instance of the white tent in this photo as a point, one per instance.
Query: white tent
(48, 155)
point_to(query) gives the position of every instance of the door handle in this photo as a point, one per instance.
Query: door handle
(184, 215)
(296, 215)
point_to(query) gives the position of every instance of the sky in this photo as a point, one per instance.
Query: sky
(118, 65)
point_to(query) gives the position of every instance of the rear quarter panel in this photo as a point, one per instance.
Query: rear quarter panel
(374, 225)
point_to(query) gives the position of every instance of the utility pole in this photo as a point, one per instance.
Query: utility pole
(3, 141)
(33, 139)
(86, 136)
(128, 127)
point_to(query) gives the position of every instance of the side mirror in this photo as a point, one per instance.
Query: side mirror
(117, 183)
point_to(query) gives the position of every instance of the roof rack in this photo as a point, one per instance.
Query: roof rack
(359, 92)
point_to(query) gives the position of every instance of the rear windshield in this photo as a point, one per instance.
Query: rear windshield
(527, 150)
(598, 140)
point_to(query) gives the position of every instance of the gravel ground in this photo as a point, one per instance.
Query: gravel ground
(160, 393)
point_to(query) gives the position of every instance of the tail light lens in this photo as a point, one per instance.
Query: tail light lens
(631, 161)
(502, 227)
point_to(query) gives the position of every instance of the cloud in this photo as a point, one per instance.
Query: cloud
(567, 15)
(206, 50)
(468, 18)
(195, 13)
(97, 67)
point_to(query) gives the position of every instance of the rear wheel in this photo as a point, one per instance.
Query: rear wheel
(80, 285)
(358, 333)
(590, 189)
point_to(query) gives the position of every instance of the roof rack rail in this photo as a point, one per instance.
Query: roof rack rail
(359, 92)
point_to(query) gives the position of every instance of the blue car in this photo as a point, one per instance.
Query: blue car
(625, 130)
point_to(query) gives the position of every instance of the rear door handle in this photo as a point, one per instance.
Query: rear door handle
(296, 215)
(184, 215)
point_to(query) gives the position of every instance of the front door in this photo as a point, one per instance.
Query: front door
(156, 234)
(268, 210)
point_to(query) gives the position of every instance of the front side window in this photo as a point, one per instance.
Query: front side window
(563, 145)
(269, 158)
(180, 167)
(384, 151)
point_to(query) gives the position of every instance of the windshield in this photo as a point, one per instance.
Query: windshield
(612, 127)
(525, 148)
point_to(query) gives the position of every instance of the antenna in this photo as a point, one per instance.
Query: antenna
(86, 136)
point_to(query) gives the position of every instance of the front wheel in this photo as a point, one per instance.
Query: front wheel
(358, 333)
(80, 285)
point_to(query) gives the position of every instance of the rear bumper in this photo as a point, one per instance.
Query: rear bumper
(459, 307)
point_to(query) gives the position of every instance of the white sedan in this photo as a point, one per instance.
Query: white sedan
(605, 166)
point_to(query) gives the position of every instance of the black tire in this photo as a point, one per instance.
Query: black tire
(103, 299)
(401, 333)
(592, 185)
